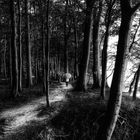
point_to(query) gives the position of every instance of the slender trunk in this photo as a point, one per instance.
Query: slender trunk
(0, 67)
(132, 83)
(83, 67)
(4, 59)
(47, 54)
(38, 67)
(104, 51)
(134, 37)
(36, 71)
(28, 47)
(76, 47)
(20, 48)
(58, 57)
(65, 40)
(96, 48)
(136, 83)
(44, 58)
(10, 60)
(14, 51)
(114, 103)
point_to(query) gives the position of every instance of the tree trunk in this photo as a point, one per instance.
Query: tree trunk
(58, 58)
(96, 48)
(4, 59)
(20, 48)
(14, 51)
(136, 83)
(105, 47)
(132, 83)
(114, 103)
(0, 65)
(76, 46)
(43, 54)
(83, 67)
(47, 54)
(65, 40)
(28, 47)
(10, 60)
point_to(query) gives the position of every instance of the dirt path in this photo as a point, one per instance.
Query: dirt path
(14, 119)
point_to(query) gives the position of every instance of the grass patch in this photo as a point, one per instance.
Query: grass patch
(83, 113)
(79, 118)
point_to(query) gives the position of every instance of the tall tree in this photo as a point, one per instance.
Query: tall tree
(14, 50)
(43, 48)
(106, 130)
(96, 47)
(76, 44)
(28, 46)
(105, 47)
(83, 67)
(66, 39)
(47, 53)
(20, 47)
(4, 57)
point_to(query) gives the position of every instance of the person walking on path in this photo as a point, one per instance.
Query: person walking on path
(67, 78)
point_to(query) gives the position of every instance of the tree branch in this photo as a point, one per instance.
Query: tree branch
(134, 37)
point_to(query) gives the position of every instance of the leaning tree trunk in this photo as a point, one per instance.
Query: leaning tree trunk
(132, 83)
(28, 47)
(83, 67)
(14, 51)
(96, 48)
(136, 83)
(114, 103)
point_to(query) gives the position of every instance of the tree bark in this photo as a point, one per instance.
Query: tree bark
(10, 60)
(20, 48)
(47, 54)
(4, 58)
(66, 40)
(132, 83)
(14, 51)
(105, 47)
(96, 48)
(76, 47)
(28, 47)
(83, 67)
(114, 103)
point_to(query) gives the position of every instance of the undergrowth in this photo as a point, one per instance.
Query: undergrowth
(83, 114)
(79, 118)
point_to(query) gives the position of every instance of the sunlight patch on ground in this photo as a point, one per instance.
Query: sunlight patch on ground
(57, 98)
(19, 117)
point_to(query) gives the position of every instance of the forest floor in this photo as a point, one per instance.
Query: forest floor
(71, 115)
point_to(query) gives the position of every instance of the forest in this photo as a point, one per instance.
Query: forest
(69, 70)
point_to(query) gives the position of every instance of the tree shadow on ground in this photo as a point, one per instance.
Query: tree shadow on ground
(81, 115)
(78, 118)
